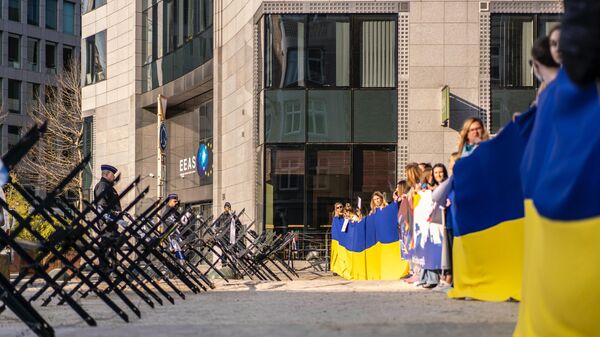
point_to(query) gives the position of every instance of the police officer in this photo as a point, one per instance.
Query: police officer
(106, 198)
(170, 211)
(105, 194)
(171, 216)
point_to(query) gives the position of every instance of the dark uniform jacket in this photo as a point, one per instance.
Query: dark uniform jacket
(110, 200)
(173, 215)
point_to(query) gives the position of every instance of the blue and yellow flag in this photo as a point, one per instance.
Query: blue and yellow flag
(370, 248)
(561, 180)
(488, 213)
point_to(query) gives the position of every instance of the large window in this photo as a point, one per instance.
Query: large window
(14, 96)
(90, 5)
(329, 114)
(33, 47)
(69, 17)
(330, 51)
(375, 115)
(512, 81)
(329, 181)
(51, 58)
(51, 13)
(302, 183)
(177, 38)
(94, 65)
(14, 10)
(329, 118)
(14, 51)
(68, 53)
(33, 94)
(285, 114)
(33, 12)
(284, 186)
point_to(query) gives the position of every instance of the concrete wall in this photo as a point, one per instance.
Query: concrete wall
(444, 50)
(234, 164)
(112, 101)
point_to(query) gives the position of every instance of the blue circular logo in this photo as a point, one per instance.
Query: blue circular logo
(202, 160)
(163, 136)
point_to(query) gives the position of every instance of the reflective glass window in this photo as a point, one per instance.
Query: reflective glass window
(328, 51)
(328, 181)
(375, 116)
(284, 187)
(285, 116)
(51, 12)
(33, 12)
(68, 17)
(285, 51)
(33, 47)
(329, 116)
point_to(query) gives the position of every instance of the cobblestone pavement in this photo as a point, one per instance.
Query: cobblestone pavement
(316, 305)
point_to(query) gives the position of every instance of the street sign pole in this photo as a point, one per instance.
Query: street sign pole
(160, 146)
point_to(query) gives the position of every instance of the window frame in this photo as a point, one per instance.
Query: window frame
(19, 98)
(47, 8)
(15, 63)
(89, 73)
(51, 69)
(30, 5)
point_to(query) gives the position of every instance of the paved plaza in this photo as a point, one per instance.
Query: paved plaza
(315, 305)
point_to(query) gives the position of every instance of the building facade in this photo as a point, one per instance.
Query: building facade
(38, 39)
(284, 107)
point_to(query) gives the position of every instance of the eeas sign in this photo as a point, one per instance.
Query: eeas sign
(200, 163)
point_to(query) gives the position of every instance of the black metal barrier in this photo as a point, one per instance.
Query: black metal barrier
(114, 254)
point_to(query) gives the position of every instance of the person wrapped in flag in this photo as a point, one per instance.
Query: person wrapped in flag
(560, 184)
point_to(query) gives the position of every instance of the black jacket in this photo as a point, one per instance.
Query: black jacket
(110, 200)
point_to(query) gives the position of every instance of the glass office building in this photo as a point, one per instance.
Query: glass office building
(330, 114)
(283, 108)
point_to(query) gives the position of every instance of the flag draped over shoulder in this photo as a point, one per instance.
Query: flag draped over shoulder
(427, 252)
(561, 179)
(370, 248)
(488, 217)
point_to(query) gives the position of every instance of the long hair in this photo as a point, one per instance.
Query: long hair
(348, 211)
(402, 187)
(464, 133)
(541, 52)
(335, 206)
(426, 175)
(453, 158)
(383, 202)
(413, 174)
(435, 182)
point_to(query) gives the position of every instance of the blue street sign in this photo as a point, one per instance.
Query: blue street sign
(163, 136)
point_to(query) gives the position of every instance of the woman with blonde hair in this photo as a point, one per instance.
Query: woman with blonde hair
(350, 214)
(377, 202)
(338, 210)
(413, 175)
(402, 188)
(473, 132)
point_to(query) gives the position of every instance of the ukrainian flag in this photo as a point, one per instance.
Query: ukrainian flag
(370, 248)
(561, 180)
(488, 213)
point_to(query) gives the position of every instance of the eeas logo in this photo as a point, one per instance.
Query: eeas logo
(204, 159)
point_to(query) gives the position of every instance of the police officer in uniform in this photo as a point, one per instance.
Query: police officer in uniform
(170, 215)
(105, 194)
(107, 198)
